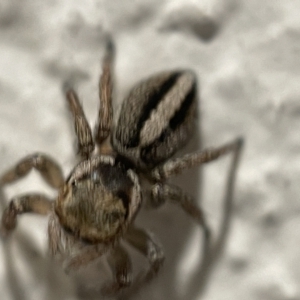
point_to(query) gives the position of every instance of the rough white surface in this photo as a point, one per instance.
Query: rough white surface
(247, 57)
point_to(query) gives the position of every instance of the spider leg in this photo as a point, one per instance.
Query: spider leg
(84, 257)
(178, 165)
(145, 244)
(30, 203)
(83, 131)
(161, 192)
(47, 167)
(105, 115)
(120, 264)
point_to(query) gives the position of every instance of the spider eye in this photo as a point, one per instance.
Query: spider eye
(67, 230)
(95, 177)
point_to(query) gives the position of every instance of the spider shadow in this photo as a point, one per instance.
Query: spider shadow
(175, 234)
(40, 269)
(200, 281)
(17, 291)
(172, 226)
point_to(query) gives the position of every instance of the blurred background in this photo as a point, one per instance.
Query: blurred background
(246, 56)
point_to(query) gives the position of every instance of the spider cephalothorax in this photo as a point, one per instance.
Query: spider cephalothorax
(97, 203)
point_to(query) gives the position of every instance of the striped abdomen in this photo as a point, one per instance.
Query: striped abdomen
(156, 118)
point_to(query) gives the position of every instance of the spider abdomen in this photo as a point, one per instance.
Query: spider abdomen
(156, 118)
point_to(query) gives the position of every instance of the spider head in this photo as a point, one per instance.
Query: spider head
(97, 201)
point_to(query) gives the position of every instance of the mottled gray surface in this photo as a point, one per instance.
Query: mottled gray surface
(246, 54)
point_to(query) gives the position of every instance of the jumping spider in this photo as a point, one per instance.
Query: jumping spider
(97, 204)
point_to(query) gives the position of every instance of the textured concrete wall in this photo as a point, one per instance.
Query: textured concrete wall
(246, 55)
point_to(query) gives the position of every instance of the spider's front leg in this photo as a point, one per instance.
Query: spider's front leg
(46, 166)
(84, 257)
(145, 243)
(120, 265)
(32, 203)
